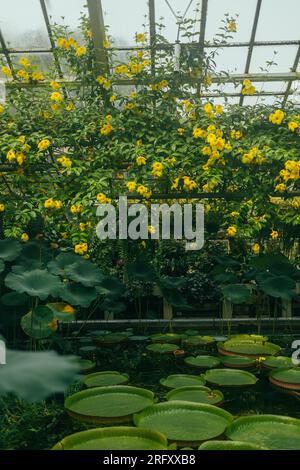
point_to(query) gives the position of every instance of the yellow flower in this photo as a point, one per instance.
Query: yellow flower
(55, 107)
(23, 75)
(181, 130)
(280, 188)
(10, 156)
(141, 160)
(131, 185)
(199, 133)
(208, 108)
(80, 51)
(292, 125)
(73, 209)
(274, 234)
(130, 106)
(256, 248)
(106, 44)
(49, 204)
(82, 227)
(236, 135)
(24, 237)
(6, 71)
(56, 96)
(70, 107)
(54, 85)
(24, 62)
(146, 62)
(106, 129)
(63, 43)
(143, 191)
(151, 229)
(277, 117)
(81, 248)
(37, 76)
(102, 199)
(231, 231)
(65, 161)
(1, 109)
(2, 207)
(20, 158)
(121, 69)
(44, 144)
(57, 204)
(248, 88)
(231, 26)
(219, 109)
(113, 98)
(140, 37)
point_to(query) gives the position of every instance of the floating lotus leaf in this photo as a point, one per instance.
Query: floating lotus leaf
(182, 380)
(115, 438)
(184, 422)
(110, 339)
(230, 378)
(62, 311)
(198, 340)
(248, 348)
(162, 348)
(270, 431)
(96, 333)
(76, 294)
(196, 394)
(105, 379)
(115, 404)
(9, 249)
(36, 283)
(13, 299)
(238, 362)
(275, 362)
(286, 378)
(86, 351)
(86, 365)
(138, 338)
(229, 445)
(85, 273)
(61, 262)
(203, 362)
(191, 332)
(166, 338)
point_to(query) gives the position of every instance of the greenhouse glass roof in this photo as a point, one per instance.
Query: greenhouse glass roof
(265, 48)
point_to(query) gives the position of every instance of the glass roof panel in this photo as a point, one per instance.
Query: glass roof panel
(217, 10)
(66, 12)
(231, 59)
(23, 26)
(283, 56)
(278, 20)
(270, 86)
(43, 61)
(125, 18)
(179, 7)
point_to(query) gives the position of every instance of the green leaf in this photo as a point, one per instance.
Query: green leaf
(76, 294)
(141, 271)
(13, 299)
(10, 249)
(236, 293)
(84, 272)
(279, 287)
(36, 283)
(62, 261)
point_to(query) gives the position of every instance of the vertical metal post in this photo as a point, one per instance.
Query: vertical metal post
(152, 27)
(98, 33)
(51, 39)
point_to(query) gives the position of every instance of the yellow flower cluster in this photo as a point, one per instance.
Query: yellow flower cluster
(52, 204)
(248, 88)
(106, 128)
(277, 117)
(35, 76)
(102, 199)
(13, 156)
(236, 135)
(6, 71)
(81, 50)
(291, 170)
(67, 44)
(188, 183)
(199, 133)
(57, 97)
(140, 160)
(76, 208)
(65, 161)
(157, 169)
(144, 191)
(181, 130)
(81, 248)
(159, 86)
(44, 144)
(253, 156)
(104, 82)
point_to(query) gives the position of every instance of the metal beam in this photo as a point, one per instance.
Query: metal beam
(251, 44)
(152, 28)
(98, 33)
(51, 39)
(6, 53)
(202, 33)
(294, 68)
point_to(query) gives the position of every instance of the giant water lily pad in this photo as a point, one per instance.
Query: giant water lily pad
(249, 348)
(230, 377)
(166, 338)
(110, 339)
(238, 362)
(9, 249)
(104, 379)
(275, 362)
(249, 337)
(182, 380)
(115, 404)
(196, 394)
(270, 431)
(186, 423)
(115, 438)
(86, 365)
(36, 283)
(203, 362)
(229, 445)
(197, 340)
(161, 348)
(286, 378)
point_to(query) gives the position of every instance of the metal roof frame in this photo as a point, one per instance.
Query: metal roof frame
(98, 34)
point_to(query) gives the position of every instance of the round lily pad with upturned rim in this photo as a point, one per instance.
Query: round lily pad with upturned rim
(166, 338)
(105, 405)
(115, 438)
(202, 362)
(183, 422)
(110, 339)
(287, 378)
(230, 377)
(249, 337)
(105, 379)
(196, 394)
(198, 340)
(86, 365)
(270, 431)
(275, 362)
(229, 445)
(247, 348)
(238, 362)
(162, 348)
(182, 380)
